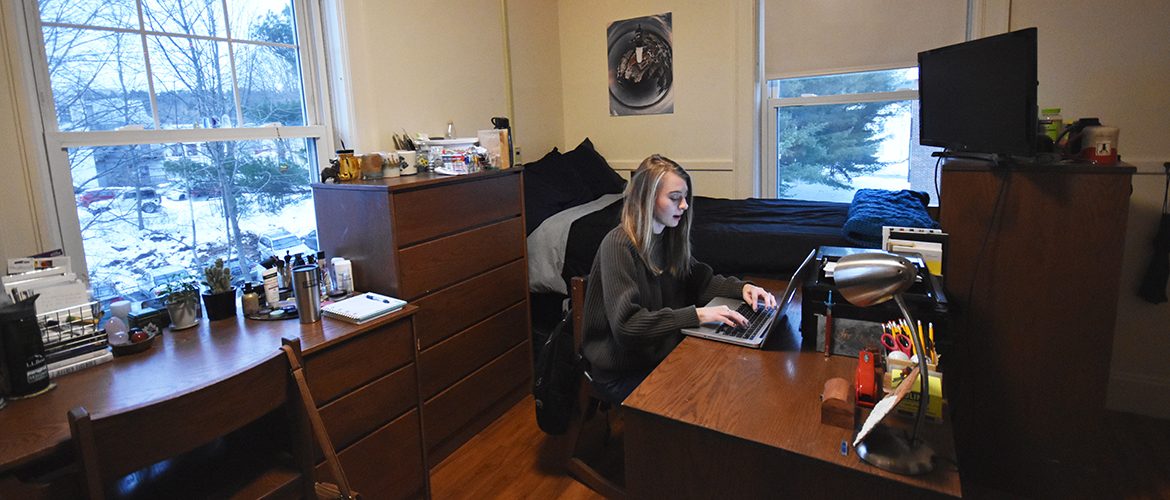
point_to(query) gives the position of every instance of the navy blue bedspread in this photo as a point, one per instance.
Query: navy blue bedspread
(763, 237)
(873, 208)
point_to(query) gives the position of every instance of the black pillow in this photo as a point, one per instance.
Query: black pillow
(550, 186)
(598, 177)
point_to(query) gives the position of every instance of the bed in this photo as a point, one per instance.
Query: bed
(572, 200)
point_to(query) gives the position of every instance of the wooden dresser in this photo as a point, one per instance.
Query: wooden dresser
(1033, 268)
(453, 246)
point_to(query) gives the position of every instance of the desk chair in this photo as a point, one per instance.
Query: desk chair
(587, 402)
(244, 437)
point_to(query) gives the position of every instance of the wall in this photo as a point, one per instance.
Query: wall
(535, 54)
(714, 82)
(1111, 61)
(414, 66)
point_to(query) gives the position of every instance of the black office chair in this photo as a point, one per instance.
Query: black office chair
(243, 437)
(588, 402)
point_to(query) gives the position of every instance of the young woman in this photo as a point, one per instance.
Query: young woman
(644, 285)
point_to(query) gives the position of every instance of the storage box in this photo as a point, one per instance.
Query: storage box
(925, 299)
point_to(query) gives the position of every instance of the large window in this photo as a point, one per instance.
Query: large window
(179, 132)
(835, 134)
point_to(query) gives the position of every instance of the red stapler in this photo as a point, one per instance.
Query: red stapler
(865, 386)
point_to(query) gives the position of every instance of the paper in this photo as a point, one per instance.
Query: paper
(884, 407)
(362, 308)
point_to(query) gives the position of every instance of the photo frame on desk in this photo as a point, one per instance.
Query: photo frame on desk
(850, 336)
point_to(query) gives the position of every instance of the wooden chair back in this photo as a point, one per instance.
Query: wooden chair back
(587, 399)
(109, 447)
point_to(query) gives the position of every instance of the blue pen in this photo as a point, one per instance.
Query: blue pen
(371, 297)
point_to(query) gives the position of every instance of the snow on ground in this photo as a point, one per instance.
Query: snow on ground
(121, 256)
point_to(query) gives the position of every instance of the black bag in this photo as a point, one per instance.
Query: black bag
(555, 387)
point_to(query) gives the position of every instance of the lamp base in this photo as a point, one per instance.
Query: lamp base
(889, 449)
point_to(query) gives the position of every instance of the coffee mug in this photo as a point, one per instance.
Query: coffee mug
(409, 158)
(371, 165)
(1099, 145)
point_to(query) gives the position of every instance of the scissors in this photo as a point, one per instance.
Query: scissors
(896, 340)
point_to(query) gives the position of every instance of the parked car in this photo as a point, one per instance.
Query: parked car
(310, 240)
(122, 198)
(279, 242)
(198, 191)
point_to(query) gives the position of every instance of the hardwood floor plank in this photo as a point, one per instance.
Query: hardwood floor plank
(511, 458)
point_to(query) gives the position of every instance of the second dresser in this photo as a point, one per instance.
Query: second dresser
(454, 246)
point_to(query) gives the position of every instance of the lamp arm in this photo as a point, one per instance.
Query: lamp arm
(923, 370)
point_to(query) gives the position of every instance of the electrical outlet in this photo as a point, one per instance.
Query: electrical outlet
(516, 154)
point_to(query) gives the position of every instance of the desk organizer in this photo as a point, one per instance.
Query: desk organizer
(71, 331)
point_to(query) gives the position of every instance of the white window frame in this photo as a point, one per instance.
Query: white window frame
(318, 119)
(772, 106)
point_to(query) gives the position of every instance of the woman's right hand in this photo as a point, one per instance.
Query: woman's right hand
(721, 314)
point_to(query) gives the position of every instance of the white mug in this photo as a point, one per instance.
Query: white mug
(410, 157)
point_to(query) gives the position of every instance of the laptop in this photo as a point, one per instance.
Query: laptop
(759, 321)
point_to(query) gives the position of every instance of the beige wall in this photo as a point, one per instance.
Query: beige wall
(415, 65)
(535, 54)
(713, 71)
(1113, 62)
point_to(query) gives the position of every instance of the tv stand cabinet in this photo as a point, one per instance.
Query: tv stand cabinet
(1034, 283)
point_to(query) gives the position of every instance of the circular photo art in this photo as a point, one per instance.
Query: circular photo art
(641, 74)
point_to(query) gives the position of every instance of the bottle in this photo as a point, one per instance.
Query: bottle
(450, 129)
(271, 286)
(344, 271)
(250, 300)
(1051, 122)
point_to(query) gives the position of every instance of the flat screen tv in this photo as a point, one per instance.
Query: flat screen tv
(980, 96)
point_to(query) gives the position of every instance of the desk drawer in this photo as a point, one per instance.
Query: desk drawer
(452, 359)
(438, 263)
(431, 212)
(353, 363)
(359, 412)
(450, 411)
(385, 464)
(453, 309)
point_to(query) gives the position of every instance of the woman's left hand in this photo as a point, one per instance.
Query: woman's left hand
(753, 295)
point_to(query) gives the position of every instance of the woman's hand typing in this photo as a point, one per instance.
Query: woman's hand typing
(721, 314)
(753, 295)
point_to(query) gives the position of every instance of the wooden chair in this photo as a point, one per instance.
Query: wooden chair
(587, 402)
(246, 437)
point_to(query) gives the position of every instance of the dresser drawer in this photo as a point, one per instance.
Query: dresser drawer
(385, 464)
(356, 414)
(432, 265)
(456, 407)
(452, 359)
(430, 212)
(453, 309)
(351, 364)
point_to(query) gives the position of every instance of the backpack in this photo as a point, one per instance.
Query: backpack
(555, 386)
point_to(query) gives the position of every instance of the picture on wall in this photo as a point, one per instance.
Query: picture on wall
(641, 62)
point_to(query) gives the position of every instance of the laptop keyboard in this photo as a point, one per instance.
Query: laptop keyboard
(756, 320)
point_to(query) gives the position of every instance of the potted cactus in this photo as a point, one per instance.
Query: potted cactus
(220, 299)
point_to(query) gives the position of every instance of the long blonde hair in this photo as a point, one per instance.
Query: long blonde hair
(638, 216)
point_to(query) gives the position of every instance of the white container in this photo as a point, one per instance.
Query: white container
(271, 286)
(343, 268)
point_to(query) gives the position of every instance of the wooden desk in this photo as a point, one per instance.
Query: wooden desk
(35, 433)
(719, 420)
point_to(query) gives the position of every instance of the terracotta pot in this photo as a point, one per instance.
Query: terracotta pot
(220, 305)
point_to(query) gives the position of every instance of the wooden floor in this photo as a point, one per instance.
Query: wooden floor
(512, 458)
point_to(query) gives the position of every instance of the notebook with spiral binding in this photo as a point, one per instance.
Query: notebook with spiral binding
(362, 308)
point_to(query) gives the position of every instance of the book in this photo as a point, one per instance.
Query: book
(81, 362)
(362, 308)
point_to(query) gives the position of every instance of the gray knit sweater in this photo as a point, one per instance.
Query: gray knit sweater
(632, 317)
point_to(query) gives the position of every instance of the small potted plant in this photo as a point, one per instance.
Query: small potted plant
(182, 302)
(220, 299)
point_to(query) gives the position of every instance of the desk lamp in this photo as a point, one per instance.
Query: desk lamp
(871, 278)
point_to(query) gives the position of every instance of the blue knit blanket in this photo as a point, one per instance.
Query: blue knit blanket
(873, 208)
